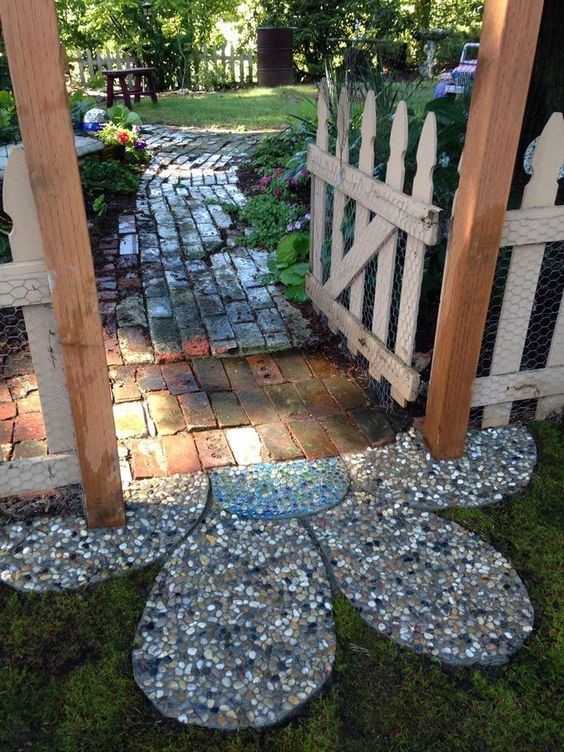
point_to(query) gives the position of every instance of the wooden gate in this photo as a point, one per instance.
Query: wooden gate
(368, 218)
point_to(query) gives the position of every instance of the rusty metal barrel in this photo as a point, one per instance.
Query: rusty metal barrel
(275, 48)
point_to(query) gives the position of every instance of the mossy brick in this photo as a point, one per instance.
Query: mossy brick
(316, 398)
(312, 439)
(278, 442)
(344, 434)
(210, 374)
(165, 413)
(197, 411)
(265, 370)
(257, 405)
(345, 391)
(227, 409)
(293, 366)
(286, 401)
(373, 424)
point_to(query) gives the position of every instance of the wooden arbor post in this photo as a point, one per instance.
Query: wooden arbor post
(34, 56)
(507, 50)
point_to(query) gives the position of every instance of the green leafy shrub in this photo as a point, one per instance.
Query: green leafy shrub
(122, 117)
(102, 177)
(268, 217)
(9, 128)
(289, 265)
(79, 104)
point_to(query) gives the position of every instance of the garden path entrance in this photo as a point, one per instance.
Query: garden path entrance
(205, 358)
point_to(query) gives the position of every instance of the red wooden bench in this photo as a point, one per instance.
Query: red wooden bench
(119, 77)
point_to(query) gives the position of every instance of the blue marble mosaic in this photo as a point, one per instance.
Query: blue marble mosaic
(276, 490)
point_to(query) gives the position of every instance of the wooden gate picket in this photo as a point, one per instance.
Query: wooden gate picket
(377, 235)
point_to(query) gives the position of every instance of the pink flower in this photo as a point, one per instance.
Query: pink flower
(304, 173)
(278, 171)
(277, 192)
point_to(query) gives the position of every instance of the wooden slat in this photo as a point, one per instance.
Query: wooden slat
(523, 385)
(365, 342)
(415, 249)
(525, 266)
(38, 473)
(554, 404)
(340, 198)
(318, 186)
(537, 224)
(414, 217)
(370, 242)
(507, 49)
(395, 176)
(362, 215)
(32, 45)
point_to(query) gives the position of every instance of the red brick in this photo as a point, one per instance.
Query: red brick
(30, 404)
(29, 427)
(7, 410)
(211, 374)
(213, 449)
(121, 374)
(286, 400)
(228, 411)
(196, 346)
(147, 458)
(239, 373)
(5, 395)
(265, 370)
(21, 386)
(245, 445)
(345, 391)
(293, 366)
(312, 439)
(373, 424)
(165, 411)
(126, 393)
(6, 431)
(149, 378)
(316, 398)
(321, 366)
(179, 378)
(278, 442)
(345, 435)
(197, 411)
(181, 455)
(257, 405)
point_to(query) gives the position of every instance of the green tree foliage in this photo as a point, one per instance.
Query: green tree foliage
(161, 39)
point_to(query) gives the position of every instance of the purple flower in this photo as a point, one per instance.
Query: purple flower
(298, 225)
(277, 192)
(304, 173)
(307, 217)
(140, 145)
(293, 183)
(289, 227)
(278, 171)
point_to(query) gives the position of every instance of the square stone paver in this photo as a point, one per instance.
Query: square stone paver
(245, 445)
(130, 421)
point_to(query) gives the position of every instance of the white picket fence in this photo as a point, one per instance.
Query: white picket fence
(383, 211)
(24, 284)
(224, 64)
(527, 231)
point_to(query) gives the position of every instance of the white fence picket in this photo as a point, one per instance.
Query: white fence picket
(525, 267)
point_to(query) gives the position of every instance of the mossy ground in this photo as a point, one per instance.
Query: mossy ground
(66, 683)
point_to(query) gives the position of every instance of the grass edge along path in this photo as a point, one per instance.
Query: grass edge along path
(255, 109)
(66, 682)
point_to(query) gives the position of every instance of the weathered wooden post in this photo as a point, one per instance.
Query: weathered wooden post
(507, 50)
(34, 57)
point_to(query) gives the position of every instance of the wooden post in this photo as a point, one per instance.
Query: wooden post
(507, 49)
(34, 57)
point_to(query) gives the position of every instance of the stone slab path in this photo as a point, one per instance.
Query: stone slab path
(182, 305)
(238, 629)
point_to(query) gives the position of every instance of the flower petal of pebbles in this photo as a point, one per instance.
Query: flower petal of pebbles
(238, 630)
(496, 462)
(276, 490)
(427, 583)
(60, 553)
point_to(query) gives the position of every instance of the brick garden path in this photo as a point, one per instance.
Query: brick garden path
(205, 360)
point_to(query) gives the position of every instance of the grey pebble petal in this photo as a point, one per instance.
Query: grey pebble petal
(427, 583)
(496, 462)
(238, 630)
(61, 553)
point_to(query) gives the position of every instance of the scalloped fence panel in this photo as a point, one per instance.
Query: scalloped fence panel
(521, 368)
(25, 302)
(369, 239)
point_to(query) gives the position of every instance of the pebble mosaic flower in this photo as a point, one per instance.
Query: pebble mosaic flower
(238, 629)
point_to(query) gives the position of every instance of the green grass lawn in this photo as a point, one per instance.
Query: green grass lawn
(66, 682)
(256, 108)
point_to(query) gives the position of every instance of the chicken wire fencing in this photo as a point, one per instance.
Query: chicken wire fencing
(539, 334)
